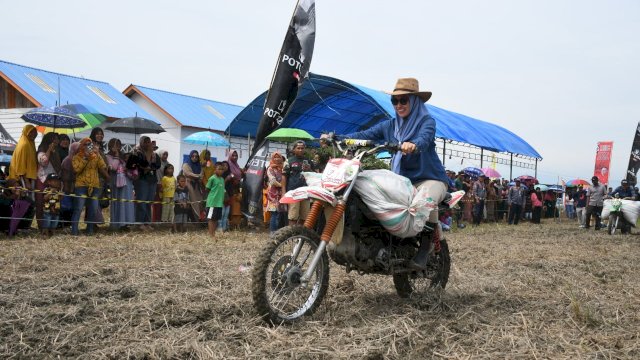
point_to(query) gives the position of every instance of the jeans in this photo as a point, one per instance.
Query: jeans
(223, 223)
(514, 214)
(145, 191)
(79, 203)
(273, 223)
(580, 213)
(478, 212)
(536, 214)
(570, 212)
(49, 220)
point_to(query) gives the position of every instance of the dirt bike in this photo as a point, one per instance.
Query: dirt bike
(616, 218)
(291, 273)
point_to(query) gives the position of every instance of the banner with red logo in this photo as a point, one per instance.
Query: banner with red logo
(603, 160)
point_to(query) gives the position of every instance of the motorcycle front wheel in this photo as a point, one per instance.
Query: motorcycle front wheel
(279, 295)
(436, 275)
(613, 223)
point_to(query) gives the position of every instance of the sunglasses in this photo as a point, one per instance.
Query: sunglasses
(401, 100)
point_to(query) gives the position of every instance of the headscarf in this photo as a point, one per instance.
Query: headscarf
(25, 160)
(196, 167)
(273, 164)
(63, 152)
(406, 128)
(233, 165)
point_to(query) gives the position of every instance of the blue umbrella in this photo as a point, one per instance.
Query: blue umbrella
(383, 155)
(55, 117)
(5, 159)
(473, 172)
(206, 138)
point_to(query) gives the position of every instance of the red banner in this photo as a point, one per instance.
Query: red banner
(603, 160)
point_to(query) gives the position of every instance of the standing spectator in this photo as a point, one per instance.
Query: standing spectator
(87, 165)
(215, 199)
(121, 210)
(479, 196)
(293, 169)
(168, 186)
(207, 165)
(235, 213)
(275, 185)
(146, 184)
(580, 202)
(228, 191)
(549, 204)
(595, 200)
(63, 146)
(492, 200)
(52, 199)
(192, 170)
(164, 161)
(569, 205)
(47, 156)
(182, 209)
(24, 162)
(68, 184)
(97, 136)
(515, 199)
(536, 204)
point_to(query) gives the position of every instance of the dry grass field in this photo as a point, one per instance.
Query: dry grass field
(532, 292)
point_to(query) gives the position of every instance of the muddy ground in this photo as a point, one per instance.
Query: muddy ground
(526, 291)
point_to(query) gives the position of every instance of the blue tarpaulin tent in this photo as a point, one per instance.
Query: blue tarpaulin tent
(328, 104)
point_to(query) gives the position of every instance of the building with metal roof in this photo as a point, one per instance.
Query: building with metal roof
(182, 115)
(23, 87)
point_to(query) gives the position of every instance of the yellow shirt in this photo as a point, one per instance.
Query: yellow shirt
(87, 170)
(168, 186)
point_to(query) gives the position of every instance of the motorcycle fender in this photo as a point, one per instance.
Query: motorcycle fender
(309, 192)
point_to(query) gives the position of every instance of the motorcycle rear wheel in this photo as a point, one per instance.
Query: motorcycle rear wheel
(415, 284)
(613, 223)
(278, 294)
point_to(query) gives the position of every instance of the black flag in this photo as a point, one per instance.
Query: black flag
(292, 68)
(634, 161)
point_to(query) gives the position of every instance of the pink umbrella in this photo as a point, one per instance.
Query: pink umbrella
(491, 173)
(576, 182)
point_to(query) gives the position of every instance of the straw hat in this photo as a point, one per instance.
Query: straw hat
(410, 86)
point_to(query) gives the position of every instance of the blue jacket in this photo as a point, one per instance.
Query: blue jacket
(421, 165)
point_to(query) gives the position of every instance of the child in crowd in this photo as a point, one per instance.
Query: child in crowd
(182, 208)
(215, 199)
(168, 184)
(52, 200)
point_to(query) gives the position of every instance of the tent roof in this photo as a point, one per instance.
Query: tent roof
(7, 143)
(189, 110)
(44, 88)
(329, 104)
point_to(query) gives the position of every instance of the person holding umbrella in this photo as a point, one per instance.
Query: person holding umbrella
(24, 163)
(147, 182)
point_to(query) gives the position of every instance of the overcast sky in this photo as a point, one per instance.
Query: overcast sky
(563, 75)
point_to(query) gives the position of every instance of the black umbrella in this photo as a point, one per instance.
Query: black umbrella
(134, 125)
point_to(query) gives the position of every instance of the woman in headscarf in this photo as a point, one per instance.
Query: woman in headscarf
(192, 169)
(63, 146)
(121, 209)
(146, 184)
(47, 157)
(88, 166)
(156, 208)
(97, 137)
(24, 162)
(274, 189)
(208, 167)
(235, 212)
(68, 176)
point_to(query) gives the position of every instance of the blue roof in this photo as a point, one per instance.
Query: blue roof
(42, 86)
(189, 110)
(329, 104)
